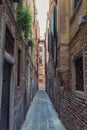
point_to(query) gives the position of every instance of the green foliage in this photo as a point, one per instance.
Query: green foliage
(24, 19)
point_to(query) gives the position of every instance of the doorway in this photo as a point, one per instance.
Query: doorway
(5, 96)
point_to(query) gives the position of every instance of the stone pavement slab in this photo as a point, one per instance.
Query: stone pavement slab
(41, 114)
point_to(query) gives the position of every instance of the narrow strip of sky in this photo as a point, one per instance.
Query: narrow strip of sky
(42, 9)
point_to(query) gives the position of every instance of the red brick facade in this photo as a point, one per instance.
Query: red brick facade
(69, 101)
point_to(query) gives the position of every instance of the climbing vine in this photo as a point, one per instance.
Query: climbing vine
(24, 19)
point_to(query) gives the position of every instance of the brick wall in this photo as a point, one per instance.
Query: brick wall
(18, 92)
(70, 104)
(71, 107)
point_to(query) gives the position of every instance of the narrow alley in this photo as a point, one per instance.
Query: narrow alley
(43, 64)
(41, 114)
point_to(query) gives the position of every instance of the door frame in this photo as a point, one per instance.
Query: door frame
(10, 60)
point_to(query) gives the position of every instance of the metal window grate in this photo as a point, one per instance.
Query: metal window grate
(79, 73)
(9, 42)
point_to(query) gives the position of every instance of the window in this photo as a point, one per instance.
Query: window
(79, 73)
(55, 22)
(40, 59)
(0, 1)
(9, 42)
(19, 67)
(41, 49)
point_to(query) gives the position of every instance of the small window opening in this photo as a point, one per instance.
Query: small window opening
(19, 67)
(79, 73)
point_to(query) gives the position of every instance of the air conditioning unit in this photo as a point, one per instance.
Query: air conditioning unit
(82, 19)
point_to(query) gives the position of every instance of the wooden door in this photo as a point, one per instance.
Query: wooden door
(5, 97)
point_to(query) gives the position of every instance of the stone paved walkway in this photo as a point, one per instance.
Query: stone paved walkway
(41, 114)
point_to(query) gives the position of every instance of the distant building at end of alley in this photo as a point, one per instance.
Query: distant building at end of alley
(41, 64)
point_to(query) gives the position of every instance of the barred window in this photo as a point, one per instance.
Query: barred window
(9, 42)
(79, 73)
